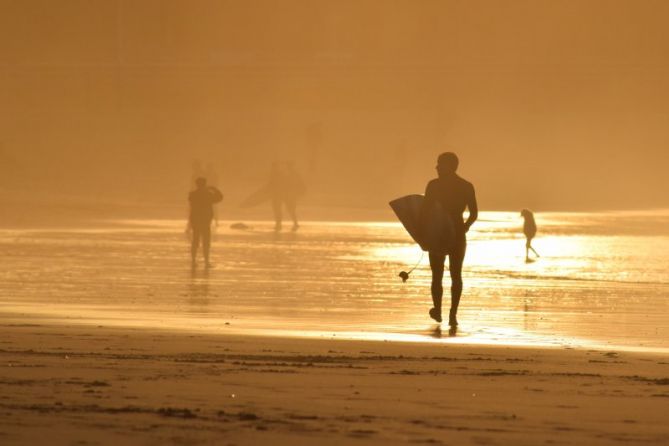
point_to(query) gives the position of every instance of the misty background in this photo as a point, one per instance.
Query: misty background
(551, 105)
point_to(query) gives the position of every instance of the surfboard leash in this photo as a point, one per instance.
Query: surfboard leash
(405, 275)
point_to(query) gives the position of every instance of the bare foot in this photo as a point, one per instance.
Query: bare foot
(452, 320)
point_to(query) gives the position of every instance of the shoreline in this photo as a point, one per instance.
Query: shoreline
(436, 334)
(84, 385)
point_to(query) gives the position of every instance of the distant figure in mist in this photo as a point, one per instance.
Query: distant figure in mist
(202, 201)
(286, 187)
(454, 194)
(530, 230)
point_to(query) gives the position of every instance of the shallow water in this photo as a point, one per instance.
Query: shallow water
(601, 281)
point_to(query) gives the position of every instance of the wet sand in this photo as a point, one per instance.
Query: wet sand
(335, 278)
(90, 385)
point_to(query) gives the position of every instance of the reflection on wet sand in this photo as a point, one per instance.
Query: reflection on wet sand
(438, 333)
(340, 279)
(198, 289)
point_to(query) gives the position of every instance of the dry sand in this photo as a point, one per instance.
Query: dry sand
(87, 385)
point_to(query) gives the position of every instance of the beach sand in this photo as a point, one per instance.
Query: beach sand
(86, 385)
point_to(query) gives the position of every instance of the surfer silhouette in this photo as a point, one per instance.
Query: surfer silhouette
(530, 230)
(453, 194)
(202, 201)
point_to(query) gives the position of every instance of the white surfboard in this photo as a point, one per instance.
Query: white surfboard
(438, 233)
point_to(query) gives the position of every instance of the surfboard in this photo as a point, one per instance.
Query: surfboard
(258, 197)
(438, 233)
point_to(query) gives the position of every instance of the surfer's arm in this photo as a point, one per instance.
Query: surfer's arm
(473, 208)
(216, 195)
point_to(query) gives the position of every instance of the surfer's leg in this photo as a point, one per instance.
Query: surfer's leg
(291, 206)
(455, 261)
(529, 246)
(194, 243)
(437, 267)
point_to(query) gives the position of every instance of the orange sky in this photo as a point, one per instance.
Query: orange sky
(550, 104)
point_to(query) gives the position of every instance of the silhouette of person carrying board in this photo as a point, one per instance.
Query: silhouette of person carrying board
(202, 201)
(454, 194)
(530, 230)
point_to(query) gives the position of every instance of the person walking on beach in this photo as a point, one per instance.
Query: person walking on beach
(202, 201)
(530, 230)
(454, 194)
